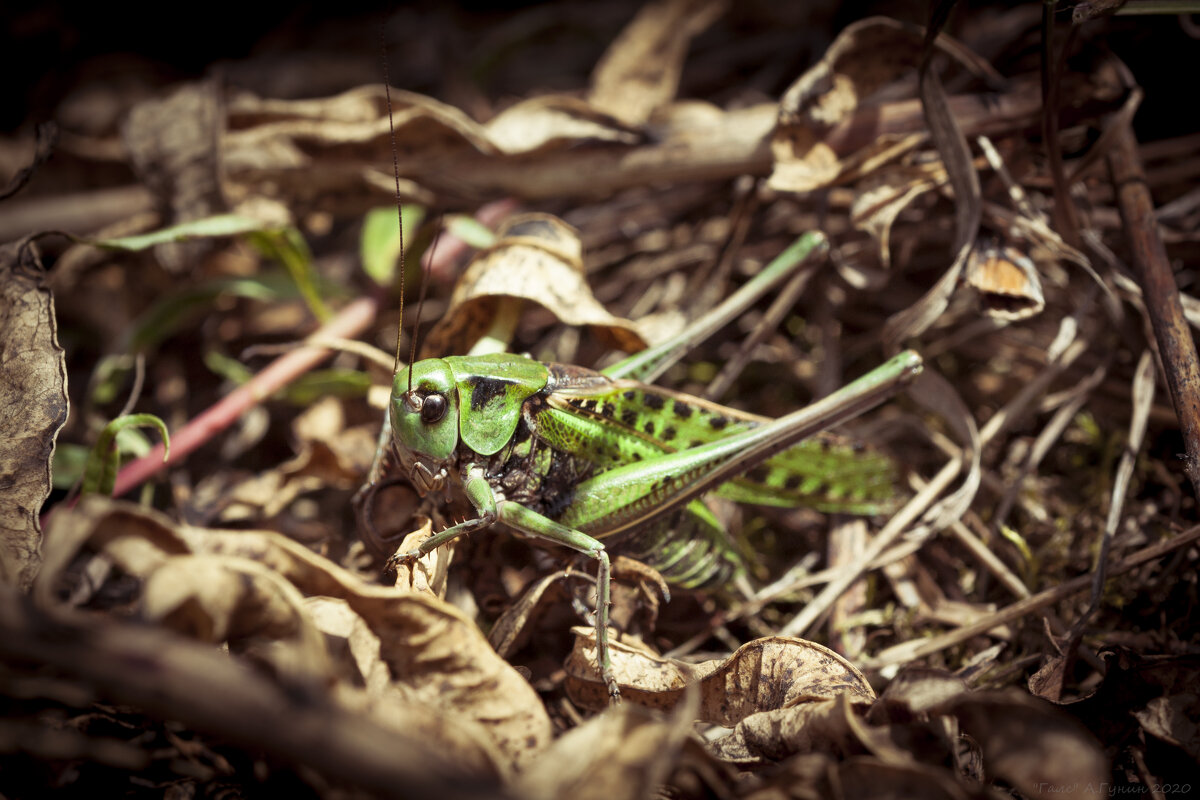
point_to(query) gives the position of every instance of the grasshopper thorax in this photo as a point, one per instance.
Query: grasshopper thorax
(425, 422)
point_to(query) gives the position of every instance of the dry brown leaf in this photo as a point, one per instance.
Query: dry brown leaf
(431, 647)
(1006, 279)
(429, 575)
(357, 651)
(640, 70)
(553, 122)
(278, 138)
(882, 195)
(511, 631)
(33, 396)
(140, 540)
(624, 752)
(769, 673)
(337, 454)
(300, 724)
(1173, 719)
(1155, 692)
(432, 650)
(870, 779)
(866, 56)
(913, 693)
(1030, 744)
(536, 257)
(172, 146)
(329, 455)
(813, 725)
(222, 599)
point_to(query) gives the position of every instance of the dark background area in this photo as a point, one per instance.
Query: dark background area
(53, 50)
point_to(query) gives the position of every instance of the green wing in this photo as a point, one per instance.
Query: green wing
(624, 421)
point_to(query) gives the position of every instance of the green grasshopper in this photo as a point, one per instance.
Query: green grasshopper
(603, 462)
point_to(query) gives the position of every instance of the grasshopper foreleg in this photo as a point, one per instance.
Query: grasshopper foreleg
(536, 526)
(481, 496)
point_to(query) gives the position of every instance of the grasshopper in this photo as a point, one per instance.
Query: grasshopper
(603, 461)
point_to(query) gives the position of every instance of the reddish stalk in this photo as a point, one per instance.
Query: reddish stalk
(1176, 347)
(347, 324)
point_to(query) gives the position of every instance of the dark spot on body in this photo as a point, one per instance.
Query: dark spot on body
(759, 474)
(484, 390)
(668, 433)
(695, 443)
(792, 483)
(630, 394)
(682, 409)
(649, 427)
(629, 417)
(654, 402)
(605, 410)
(717, 422)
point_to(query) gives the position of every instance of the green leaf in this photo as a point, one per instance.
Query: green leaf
(228, 368)
(306, 389)
(100, 472)
(69, 462)
(209, 227)
(288, 247)
(175, 311)
(327, 382)
(169, 315)
(470, 230)
(380, 243)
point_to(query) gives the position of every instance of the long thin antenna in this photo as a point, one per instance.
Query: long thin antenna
(387, 91)
(421, 297)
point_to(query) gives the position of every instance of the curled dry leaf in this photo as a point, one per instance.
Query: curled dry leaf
(771, 673)
(640, 70)
(510, 631)
(429, 575)
(222, 599)
(329, 455)
(867, 56)
(138, 539)
(820, 725)
(536, 257)
(432, 651)
(1156, 693)
(554, 121)
(33, 396)
(166, 676)
(882, 195)
(1006, 279)
(356, 651)
(430, 647)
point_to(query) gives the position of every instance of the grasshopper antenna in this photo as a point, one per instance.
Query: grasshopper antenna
(410, 398)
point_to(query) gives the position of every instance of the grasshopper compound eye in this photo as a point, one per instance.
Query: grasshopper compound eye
(433, 408)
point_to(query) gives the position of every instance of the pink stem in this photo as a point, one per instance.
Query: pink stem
(347, 324)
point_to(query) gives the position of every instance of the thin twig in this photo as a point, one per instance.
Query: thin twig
(909, 651)
(1175, 344)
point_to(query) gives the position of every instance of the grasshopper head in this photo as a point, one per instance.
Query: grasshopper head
(425, 422)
